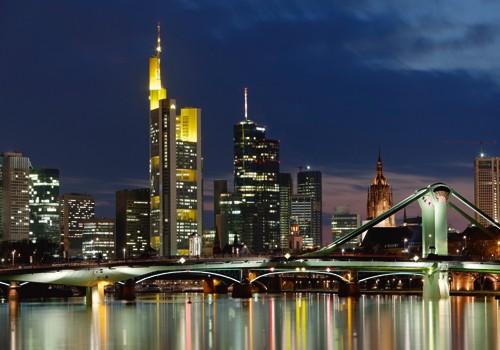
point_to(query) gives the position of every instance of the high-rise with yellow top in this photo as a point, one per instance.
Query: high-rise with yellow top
(175, 168)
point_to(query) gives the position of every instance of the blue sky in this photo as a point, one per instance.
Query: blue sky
(332, 80)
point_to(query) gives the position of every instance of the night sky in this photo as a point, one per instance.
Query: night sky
(333, 81)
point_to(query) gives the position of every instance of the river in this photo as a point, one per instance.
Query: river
(267, 321)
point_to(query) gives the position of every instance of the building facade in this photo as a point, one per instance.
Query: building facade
(343, 222)
(132, 222)
(487, 187)
(286, 190)
(189, 196)
(98, 238)
(174, 167)
(380, 197)
(310, 183)
(229, 222)
(14, 197)
(44, 204)
(74, 208)
(302, 210)
(256, 179)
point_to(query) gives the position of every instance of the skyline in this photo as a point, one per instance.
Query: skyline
(332, 82)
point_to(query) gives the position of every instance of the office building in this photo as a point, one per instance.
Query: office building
(189, 205)
(44, 204)
(256, 179)
(380, 197)
(132, 222)
(343, 222)
(229, 222)
(286, 190)
(487, 187)
(74, 208)
(302, 210)
(309, 183)
(175, 168)
(14, 196)
(98, 238)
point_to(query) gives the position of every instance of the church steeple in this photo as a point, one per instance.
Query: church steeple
(379, 178)
(380, 196)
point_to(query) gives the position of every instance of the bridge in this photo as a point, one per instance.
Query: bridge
(245, 271)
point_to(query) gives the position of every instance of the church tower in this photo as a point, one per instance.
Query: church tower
(380, 197)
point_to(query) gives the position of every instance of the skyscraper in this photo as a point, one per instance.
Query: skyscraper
(44, 204)
(132, 222)
(229, 221)
(286, 189)
(174, 167)
(14, 196)
(256, 179)
(302, 211)
(487, 187)
(309, 183)
(74, 208)
(380, 197)
(189, 204)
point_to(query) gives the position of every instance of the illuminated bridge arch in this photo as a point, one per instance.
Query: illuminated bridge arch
(272, 273)
(193, 272)
(390, 275)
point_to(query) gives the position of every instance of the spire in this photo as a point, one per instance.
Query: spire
(379, 164)
(246, 104)
(156, 90)
(158, 48)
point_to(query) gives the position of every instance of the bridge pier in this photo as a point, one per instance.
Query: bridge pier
(125, 291)
(214, 286)
(243, 290)
(95, 294)
(436, 285)
(14, 291)
(351, 289)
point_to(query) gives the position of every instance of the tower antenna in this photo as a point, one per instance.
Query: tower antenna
(158, 48)
(246, 104)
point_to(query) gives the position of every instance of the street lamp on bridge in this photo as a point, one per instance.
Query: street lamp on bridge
(13, 257)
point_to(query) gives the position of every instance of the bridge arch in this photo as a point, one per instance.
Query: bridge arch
(287, 272)
(194, 272)
(486, 282)
(390, 275)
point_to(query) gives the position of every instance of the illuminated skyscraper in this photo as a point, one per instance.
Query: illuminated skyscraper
(98, 238)
(14, 196)
(175, 168)
(189, 194)
(285, 209)
(487, 187)
(302, 211)
(309, 183)
(132, 222)
(74, 208)
(44, 204)
(380, 197)
(229, 221)
(256, 179)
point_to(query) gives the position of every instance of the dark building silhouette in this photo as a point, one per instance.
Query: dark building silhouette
(132, 222)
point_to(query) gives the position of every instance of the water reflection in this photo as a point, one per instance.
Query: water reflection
(284, 321)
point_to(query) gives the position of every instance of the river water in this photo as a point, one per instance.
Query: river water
(267, 321)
